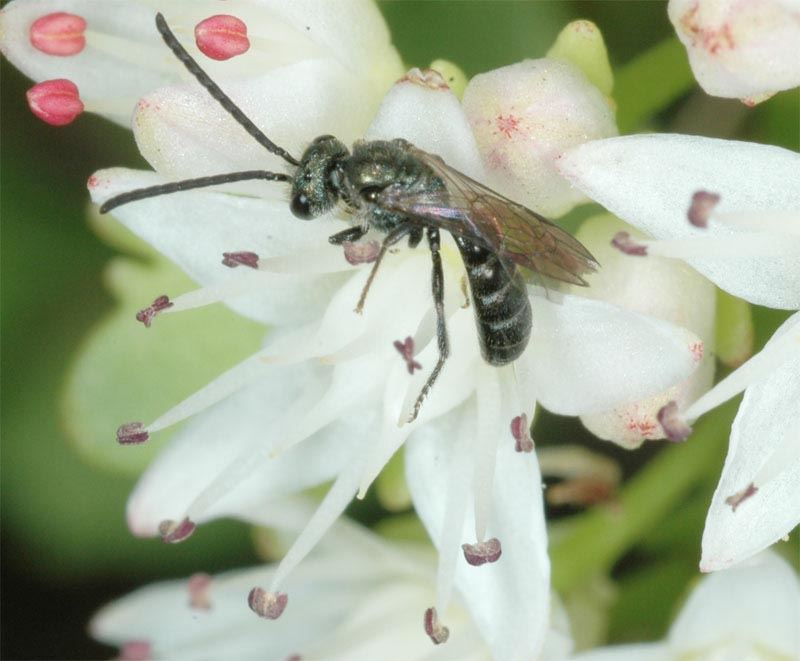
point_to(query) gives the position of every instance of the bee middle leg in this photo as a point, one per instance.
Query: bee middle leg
(437, 288)
(391, 238)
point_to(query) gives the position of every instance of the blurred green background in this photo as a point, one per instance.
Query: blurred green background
(65, 547)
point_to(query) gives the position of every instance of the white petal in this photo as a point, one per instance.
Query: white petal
(664, 288)
(741, 50)
(194, 228)
(524, 115)
(588, 356)
(431, 118)
(756, 604)
(183, 132)
(638, 652)
(765, 451)
(649, 180)
(509, 599)
(124, 56)
(242, 424)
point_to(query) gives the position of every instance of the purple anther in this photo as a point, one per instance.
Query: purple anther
(437, 632)
(132, 433)
(740, 496)
(672, 422)
(243, 258)
(481, 553)
(406, 350)
(268, 605)
(147, 315)
(173, 532)
(198, 591)
(703, 204)
(521, 431)
(624, 242)
(361, 252)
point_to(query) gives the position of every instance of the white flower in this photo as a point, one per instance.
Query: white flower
(357, 596)
(743, 50)
(322, 400)
(750, 248)
(747, 612)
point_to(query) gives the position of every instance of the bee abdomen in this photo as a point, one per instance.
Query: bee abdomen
(500, 301)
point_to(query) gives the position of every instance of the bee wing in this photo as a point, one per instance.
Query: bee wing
(470, 209)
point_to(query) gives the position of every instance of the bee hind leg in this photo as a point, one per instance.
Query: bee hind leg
(437, 288)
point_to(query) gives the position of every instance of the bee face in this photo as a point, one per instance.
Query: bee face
(314, 186)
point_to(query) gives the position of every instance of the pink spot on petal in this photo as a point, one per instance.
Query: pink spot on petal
(56, 102)
(59, 34)
(698, 349)
(136, 650)
(507, 124)
(221, 37)
(199, 585)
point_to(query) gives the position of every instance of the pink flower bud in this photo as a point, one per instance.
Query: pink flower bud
(221, 37)
(56, 102)
(59, 34)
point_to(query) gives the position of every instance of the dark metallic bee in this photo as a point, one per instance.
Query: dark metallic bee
(402, 191)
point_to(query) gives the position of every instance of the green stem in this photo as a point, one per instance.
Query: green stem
(595, 540)
(650, 83)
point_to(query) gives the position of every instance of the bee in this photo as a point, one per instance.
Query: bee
(407, 193)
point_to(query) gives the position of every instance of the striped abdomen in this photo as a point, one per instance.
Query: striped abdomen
(500, 299)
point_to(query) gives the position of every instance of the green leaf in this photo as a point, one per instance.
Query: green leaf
(125, 372)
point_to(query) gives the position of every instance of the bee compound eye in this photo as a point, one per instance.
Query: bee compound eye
(301, 206)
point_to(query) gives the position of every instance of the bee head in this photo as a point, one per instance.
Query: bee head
(314, 188)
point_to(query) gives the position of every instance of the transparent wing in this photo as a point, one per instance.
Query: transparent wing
(470, 209)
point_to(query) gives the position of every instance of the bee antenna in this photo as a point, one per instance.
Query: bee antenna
(213, 89)
(189, 184)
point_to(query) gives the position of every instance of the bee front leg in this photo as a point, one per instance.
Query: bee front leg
(350, 234)
(437, 287)
(391, 238)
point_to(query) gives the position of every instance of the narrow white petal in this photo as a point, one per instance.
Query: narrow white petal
(589, 356)
(637, 652)
(764, 451)
(508, 599)
(194, 228)
(648, 181)
(238, 427)
(755, 604)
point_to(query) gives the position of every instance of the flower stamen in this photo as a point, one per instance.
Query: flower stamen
(436, 631)
(482, 553)
(703, 204)
(740, 496)
(173, 532)
(269, 605)
(59, 34)
(132, 433)
(146, 315)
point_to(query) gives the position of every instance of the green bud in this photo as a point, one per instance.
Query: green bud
(455, 78)
(581, 43)
(734, 334)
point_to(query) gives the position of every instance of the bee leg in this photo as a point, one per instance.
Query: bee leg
(391, 238)
(437, 287)
(350, 234)
(415, 236)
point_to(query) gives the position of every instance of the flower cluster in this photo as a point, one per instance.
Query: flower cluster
(332, 394)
